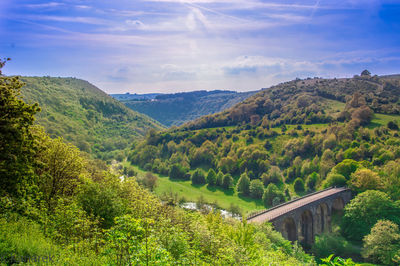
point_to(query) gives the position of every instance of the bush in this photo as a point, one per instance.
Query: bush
(220, 179)
(299, 185)
(198, 177)
(256, 189)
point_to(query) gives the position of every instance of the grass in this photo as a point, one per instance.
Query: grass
(382, 120)
(222, 198)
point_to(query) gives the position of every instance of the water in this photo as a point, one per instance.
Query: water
(224, 213)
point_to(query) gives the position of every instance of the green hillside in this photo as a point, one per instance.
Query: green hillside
(284, 142)
(176, 109)
(84, 115)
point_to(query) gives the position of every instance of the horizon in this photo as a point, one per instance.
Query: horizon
(171, 46)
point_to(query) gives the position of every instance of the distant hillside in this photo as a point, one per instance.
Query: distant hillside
(309, 101)
(85, 115)
(176, 109)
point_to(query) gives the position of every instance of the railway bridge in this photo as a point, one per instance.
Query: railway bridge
(301, 219)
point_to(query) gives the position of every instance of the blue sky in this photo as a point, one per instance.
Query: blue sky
(147, 46)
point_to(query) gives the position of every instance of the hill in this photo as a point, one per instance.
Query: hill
(298, 129)
(84, 115)
(176, 109)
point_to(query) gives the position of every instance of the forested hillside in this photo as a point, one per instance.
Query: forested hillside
(292, 139)
(58, 207)
(176, 109)
(84, 115)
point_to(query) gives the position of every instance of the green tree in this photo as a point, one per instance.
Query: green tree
(383, 243)
(270, 193)
(198, 177)
(211, 177)
(365, 179)
(334, 179)
(312, 180)
(220, 179)
(177, 172)
(364, 211)
(256, 189)
(17, 147)
(299, 185)
(243, 185)
(228, 181)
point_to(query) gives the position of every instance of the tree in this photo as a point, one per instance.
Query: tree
(392, 125)
(365, 179)
(220, 179)
(17, 146)
(211, 177)
(364, 211)
(334, 180)
(256, 189)
(176, 172)
(299, 185)
(365, 73)
(346, 167)
(198, 177)
(60, 167)
(312, 180)
(243, 185)
(270, 193)
(274, 175)
(383, 243)
(228, 181)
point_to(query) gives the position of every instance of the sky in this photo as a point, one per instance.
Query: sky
(144, 46)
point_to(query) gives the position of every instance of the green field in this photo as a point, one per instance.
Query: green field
(222, 198)
(382, 120)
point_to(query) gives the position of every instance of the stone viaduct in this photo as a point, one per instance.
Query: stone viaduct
(301, 219)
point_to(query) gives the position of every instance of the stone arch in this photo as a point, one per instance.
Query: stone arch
(338, 205)
(322, 219)
(289, 229)
(307, 228)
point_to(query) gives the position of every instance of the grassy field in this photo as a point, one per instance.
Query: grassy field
(222, 198)
(382, 120)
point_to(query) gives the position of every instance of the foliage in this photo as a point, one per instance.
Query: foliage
(256, 189)
(365, 210)
(337, 261)
(84, 115)
(298, 185)
(329, 243)
(334, 179)
(383, 243)
(272, 192)
(211, 177)
(365, 179)
(243, 185)
(16, 141)
(176, 109)
(198, 177)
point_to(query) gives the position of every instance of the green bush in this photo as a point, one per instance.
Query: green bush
(256, 189)
(327, 244)
(198, 177)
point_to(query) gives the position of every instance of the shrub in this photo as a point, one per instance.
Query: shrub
(327, 244)
(177, 172)
(312, 180)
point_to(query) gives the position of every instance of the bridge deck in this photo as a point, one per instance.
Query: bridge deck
(269, 215)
